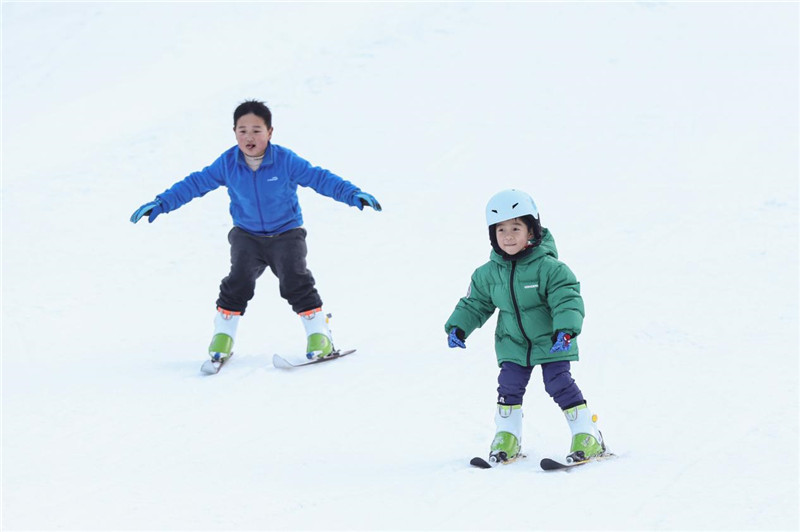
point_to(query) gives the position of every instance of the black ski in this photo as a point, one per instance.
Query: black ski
(548, 464)
(284, 363)
(481, 463)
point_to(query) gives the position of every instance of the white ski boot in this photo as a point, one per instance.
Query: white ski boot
(508, 439)
(587, 441)
(225, 324)
(319, 343)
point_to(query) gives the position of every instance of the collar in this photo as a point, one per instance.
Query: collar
(267, 159)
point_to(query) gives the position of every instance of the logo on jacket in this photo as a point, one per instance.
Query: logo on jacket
(273, 178)
(531, 286)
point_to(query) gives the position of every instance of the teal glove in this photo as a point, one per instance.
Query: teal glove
(362, 199)
(152, 208)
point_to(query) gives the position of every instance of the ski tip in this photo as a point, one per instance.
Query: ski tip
(549, 464)
(209, 368)
(280, 362)
(480, 463)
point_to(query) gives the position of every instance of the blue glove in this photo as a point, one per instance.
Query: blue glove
(152, 208)
(456, 338)
(362, 199)
(561, 343)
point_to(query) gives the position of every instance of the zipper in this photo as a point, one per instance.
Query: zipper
(516, 311)
(258, 202)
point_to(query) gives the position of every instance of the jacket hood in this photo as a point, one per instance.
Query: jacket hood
(546, 247)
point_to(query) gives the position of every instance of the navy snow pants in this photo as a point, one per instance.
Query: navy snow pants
(285, 254)
(558, 383)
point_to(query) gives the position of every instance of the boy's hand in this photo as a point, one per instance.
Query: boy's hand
(366, 200)
(456, 338)
(561, 342)
(153, 208)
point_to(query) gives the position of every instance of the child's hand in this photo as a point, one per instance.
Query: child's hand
(456, 338)
(152, 208)
(362, 199)
(561, 342)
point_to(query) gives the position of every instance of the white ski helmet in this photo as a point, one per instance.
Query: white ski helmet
(510, 204)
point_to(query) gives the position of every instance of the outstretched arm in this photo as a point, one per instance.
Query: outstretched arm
(192, 186)
(329, 184)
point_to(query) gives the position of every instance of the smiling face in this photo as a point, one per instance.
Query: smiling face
(512, 235)
(252, 135)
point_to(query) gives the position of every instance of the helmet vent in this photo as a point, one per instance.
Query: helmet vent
(509, 204)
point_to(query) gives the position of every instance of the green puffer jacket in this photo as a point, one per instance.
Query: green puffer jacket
(537, 295)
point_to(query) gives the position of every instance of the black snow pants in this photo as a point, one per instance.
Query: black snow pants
(285, 254)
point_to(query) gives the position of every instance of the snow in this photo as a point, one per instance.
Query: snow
(660, 141)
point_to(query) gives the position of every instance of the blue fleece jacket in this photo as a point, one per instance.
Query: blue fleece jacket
(264, 201)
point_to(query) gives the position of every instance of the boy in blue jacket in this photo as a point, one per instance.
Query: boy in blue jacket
(262, 180)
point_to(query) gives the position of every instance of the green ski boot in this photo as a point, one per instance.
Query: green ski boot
(508, 438)
(225, 324)
(319, 343)
(587, 440)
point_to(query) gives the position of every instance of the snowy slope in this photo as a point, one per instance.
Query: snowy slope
(658, 139)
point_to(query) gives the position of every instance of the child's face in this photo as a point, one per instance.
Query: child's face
(512, 235)
(252, 134)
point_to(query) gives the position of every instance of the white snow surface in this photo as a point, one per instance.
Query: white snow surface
(659, 140)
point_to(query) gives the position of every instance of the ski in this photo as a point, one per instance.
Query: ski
(211, 367)
(295, 362)
(548, 464)
(481, 463)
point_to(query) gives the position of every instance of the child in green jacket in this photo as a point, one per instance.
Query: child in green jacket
(540, 316)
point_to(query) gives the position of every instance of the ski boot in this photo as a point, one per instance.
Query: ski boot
(225, 323)
(508, 439)
(319, 343)
(587, 440)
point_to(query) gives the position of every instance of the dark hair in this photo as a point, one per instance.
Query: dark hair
(257, 108)
(534, 226)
